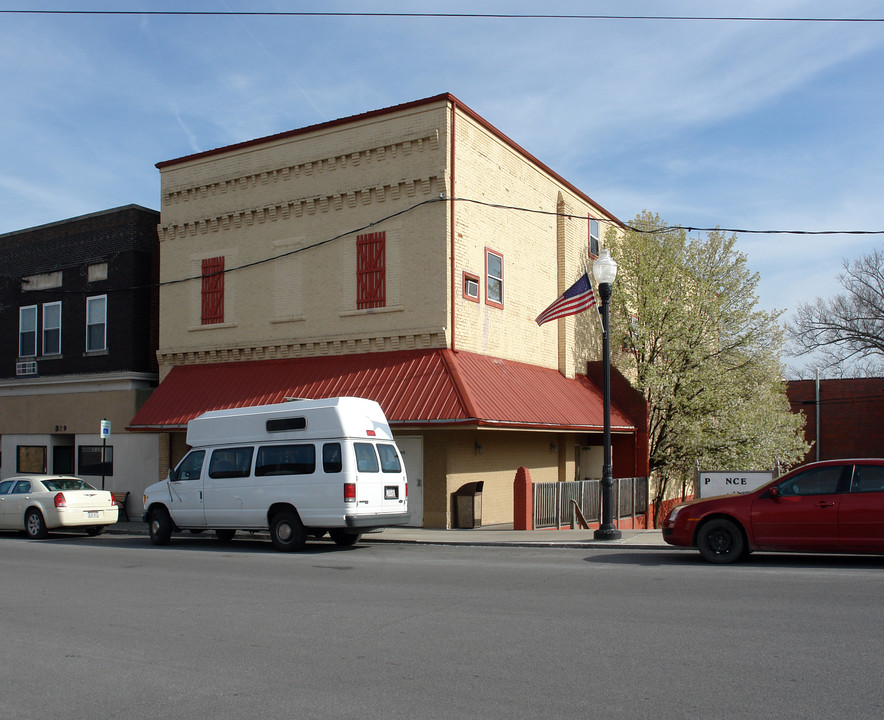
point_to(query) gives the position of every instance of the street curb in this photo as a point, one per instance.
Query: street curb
(135, 531)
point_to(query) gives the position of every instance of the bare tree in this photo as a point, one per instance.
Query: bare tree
(847, 329)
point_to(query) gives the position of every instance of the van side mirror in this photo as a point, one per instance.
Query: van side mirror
(173, 475)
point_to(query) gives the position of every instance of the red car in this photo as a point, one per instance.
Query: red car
(834, 506)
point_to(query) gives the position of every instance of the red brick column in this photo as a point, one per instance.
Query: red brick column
(523, 500)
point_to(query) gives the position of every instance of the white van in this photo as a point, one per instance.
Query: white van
(297, 469)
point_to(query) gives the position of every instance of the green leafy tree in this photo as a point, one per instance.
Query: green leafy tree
(684, 311)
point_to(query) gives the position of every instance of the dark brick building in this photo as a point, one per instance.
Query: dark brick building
(851, 416)
(79, 318)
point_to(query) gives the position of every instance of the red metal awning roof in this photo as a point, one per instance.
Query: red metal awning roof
(415, 388)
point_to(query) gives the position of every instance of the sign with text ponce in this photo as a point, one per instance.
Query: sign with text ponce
(710, 484)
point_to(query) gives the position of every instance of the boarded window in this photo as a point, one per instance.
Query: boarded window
(30, 459)
(371, 270)
(213, 291)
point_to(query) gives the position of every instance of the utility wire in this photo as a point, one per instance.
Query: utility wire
(443, 198)
(667, 228)
(443, 15)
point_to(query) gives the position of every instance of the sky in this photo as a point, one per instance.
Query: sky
(757, 125)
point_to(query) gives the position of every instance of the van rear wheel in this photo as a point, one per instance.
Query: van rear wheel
(287, 533)
(344, 538)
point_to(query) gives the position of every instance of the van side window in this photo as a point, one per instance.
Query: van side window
(281, 424)
(230, 463)
(366, 457)
(331, 458)
(389, 459)
(285, 460)
(192, 466)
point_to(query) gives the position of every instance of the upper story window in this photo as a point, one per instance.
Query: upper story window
(27, 331)
(96, 323)
(52, 328)
(493, 278)
(593, 238)
(212, 291)
(471, 286)
(371, 270)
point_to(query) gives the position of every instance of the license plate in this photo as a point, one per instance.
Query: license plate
(92, 514)
(391, 492)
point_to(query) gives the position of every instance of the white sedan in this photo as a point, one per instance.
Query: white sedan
(40, 503)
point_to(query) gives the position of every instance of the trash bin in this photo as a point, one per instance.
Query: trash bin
(468, 502)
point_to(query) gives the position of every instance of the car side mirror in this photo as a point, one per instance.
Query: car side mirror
(774, 492)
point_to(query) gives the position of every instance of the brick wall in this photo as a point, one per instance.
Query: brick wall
(851, 413)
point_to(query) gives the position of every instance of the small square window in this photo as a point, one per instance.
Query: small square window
(471, 287)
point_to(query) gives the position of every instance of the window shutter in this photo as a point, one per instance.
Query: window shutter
(213, 291)
(371, 270)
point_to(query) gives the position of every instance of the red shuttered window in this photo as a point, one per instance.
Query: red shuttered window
(213, 291)
(371, 270)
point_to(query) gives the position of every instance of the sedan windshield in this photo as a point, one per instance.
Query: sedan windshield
(67, 484)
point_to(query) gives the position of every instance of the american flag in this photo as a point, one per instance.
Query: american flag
(575, 299)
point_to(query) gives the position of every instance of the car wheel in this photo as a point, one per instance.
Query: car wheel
(35, 525)
(95, 530)
(160, 526)
(721, 541)
(225, 535)
(344, 538)
(287, 532)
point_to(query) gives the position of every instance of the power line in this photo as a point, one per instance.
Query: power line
(667, 228)
(443, 15)
(443, 198)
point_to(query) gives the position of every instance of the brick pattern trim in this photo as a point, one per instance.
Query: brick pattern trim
(298, 207)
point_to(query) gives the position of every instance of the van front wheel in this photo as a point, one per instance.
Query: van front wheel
(159, 526)
(287, 533)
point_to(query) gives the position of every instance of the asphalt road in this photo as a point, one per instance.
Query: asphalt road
(112, 627)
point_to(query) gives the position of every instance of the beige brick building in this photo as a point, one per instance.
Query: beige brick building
(402, 254)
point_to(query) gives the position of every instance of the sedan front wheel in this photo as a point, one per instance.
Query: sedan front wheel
(721, 541)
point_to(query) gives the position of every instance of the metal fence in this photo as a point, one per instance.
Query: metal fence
(554, 502)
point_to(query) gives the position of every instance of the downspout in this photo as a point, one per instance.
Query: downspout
(451, 221)
(817, 414)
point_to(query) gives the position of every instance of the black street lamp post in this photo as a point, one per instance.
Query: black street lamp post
(605, 270)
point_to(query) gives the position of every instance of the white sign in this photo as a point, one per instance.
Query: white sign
(727, 483)
(105, 428)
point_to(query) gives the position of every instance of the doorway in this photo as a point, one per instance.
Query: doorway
(412, 449)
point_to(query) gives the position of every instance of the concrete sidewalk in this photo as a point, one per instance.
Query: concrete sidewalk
(502, 535)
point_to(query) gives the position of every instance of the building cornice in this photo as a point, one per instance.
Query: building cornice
(308, 347)
(67, 384)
